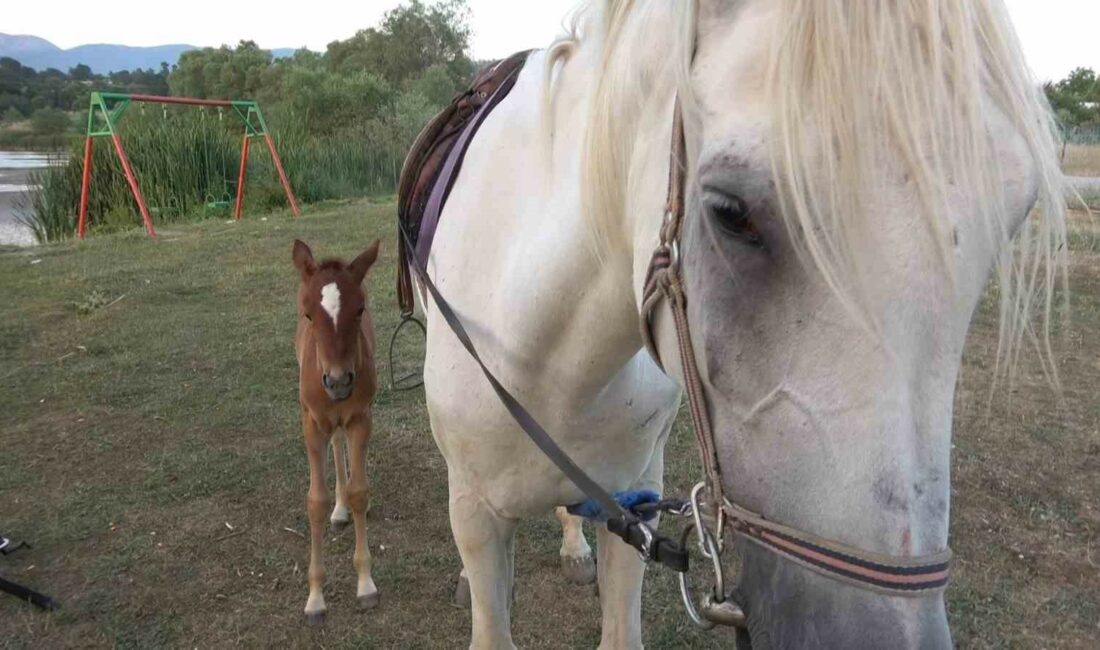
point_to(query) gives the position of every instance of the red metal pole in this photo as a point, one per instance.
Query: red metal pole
(132, 180)
(189, 101)
(82, 223)
(240, 178)
(282, 174)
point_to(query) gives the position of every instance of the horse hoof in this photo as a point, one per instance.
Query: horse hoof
(462, 593)
(337, 525)
(579, 570)
(370, 601)
(315, 619)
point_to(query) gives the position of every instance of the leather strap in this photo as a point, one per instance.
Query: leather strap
(653, 546)
(896, 576)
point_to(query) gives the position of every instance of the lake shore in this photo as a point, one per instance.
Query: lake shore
(14, 185)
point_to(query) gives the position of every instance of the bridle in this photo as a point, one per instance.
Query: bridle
(712, 510)
(709, 511)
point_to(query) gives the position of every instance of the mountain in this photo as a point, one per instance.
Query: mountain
(38, 53)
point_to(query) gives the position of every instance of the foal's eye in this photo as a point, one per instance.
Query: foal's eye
(731, 213)
(309, 318)
(361, 310)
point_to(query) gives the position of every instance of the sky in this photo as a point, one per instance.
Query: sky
(1058, 35)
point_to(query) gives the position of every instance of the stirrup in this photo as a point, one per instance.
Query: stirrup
(413, 379)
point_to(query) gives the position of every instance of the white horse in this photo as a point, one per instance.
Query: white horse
(854, 172)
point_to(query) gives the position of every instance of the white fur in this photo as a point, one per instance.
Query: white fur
(330, 301)
(558, 324)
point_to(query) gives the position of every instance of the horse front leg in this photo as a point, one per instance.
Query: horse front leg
(621, 572)
(486, 542)
(317, 504)
(340, 516)
(577, 564)
(357, 436)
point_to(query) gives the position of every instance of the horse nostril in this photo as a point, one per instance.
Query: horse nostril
(350, 377)
(326, 381)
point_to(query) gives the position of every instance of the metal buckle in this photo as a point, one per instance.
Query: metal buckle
(717, 608)
(646, 552)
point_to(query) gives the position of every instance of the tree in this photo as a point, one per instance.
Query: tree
(222, 73)
(1076, 99)
(412, 38)
(80, 73)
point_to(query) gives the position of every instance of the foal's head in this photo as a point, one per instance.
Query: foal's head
(332, 300)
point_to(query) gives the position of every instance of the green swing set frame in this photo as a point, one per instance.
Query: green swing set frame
(104, 111)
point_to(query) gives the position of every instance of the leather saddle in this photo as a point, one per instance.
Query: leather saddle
(434, 160)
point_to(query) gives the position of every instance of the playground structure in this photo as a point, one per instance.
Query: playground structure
(104, 111)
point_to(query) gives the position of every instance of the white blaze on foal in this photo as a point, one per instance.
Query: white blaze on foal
(330, 301)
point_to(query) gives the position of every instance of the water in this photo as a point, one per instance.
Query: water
(15, 171)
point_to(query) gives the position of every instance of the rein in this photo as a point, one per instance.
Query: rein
(708, 510)
(889, 575)
(627, 524)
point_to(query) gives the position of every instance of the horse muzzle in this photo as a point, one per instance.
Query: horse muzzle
(338, 387)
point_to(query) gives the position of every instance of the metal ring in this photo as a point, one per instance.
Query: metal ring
(685, 590)
(697, 516)
(708, 547)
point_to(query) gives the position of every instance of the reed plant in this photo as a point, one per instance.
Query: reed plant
(187, 165)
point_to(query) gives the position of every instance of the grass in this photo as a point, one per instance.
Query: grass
(1082, 160)
(148, 398)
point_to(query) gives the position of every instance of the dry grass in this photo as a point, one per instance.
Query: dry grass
(131, 433)
(1082, 160)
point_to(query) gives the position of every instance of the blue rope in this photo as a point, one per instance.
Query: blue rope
(628, 499)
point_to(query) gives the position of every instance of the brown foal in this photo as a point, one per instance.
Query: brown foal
(336, 386)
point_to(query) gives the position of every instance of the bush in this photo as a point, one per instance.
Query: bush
(50, 121)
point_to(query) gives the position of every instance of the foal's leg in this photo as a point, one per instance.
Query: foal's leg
(577, 563)
(485, 541)
(357, 435)
(340, 517)
(315, 441)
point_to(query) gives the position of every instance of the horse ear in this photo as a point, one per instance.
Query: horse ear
(303, 259)
(366, 259)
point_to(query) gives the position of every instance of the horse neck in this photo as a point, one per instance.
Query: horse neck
(629, 87)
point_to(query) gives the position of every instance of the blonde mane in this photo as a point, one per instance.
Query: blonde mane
(913, 81)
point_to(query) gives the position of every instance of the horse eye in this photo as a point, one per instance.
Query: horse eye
(361, 310)
(309, 318)
(731, 213)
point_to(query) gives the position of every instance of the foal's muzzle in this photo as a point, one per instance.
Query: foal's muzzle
(338, 387)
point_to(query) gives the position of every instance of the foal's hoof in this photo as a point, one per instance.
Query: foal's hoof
(315, 619)
(462, 593)
(579, 570)
(337, 525)
(369, 601)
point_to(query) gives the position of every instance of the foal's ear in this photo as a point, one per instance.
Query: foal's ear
(366, 259)
(303, 259)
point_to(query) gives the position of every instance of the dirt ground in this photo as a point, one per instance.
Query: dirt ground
(149, 449)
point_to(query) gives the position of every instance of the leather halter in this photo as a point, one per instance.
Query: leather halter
(892, 575)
